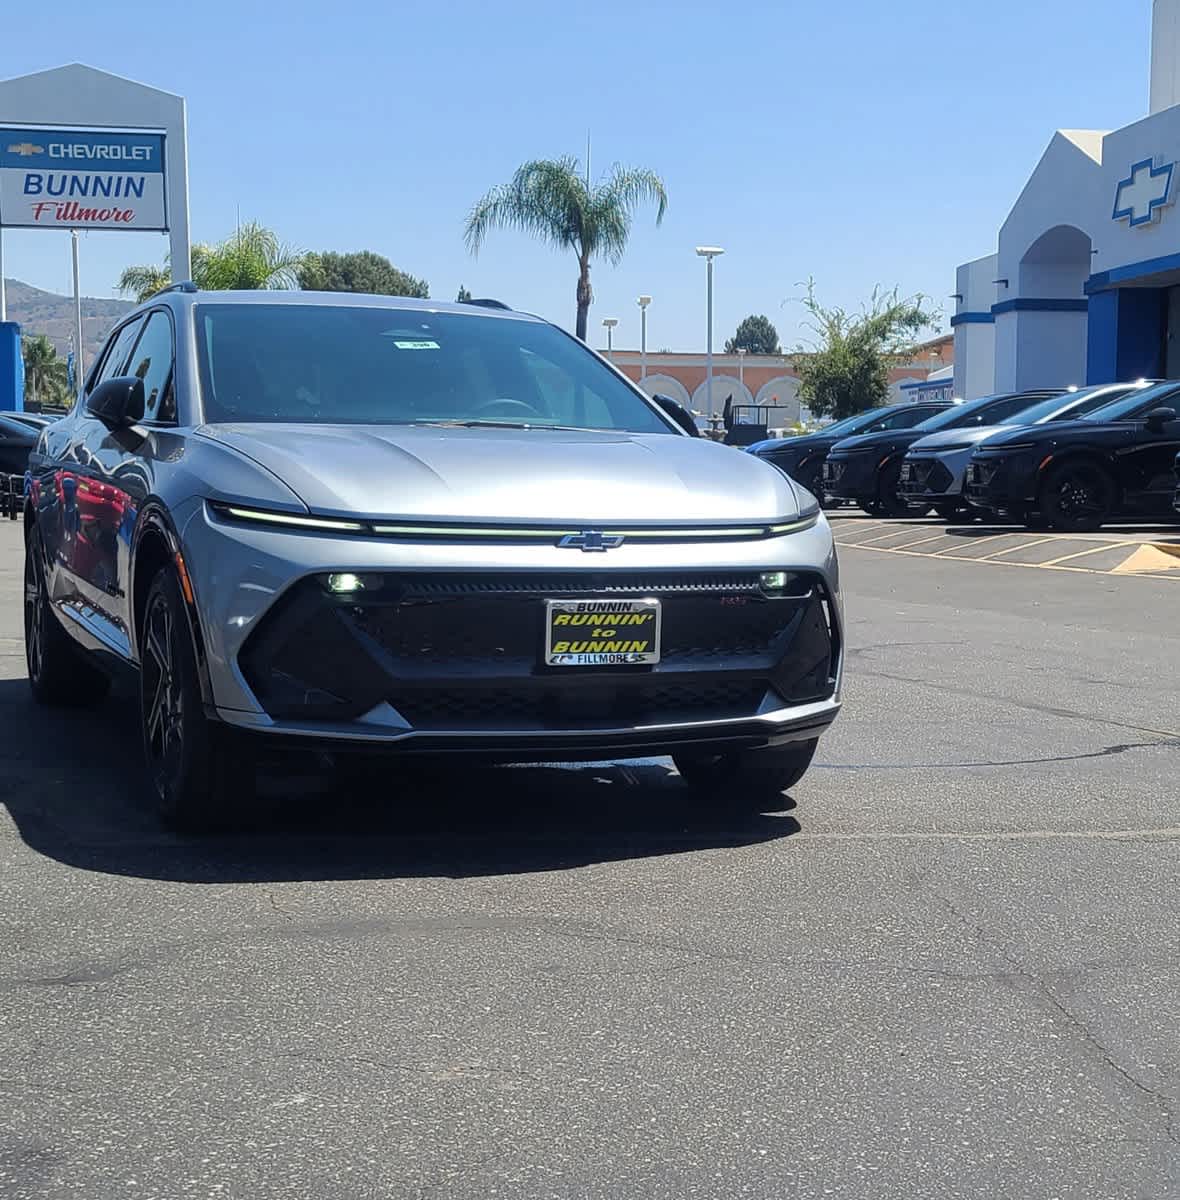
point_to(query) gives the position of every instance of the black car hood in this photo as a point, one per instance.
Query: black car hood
(1054, 431)
(884, 439)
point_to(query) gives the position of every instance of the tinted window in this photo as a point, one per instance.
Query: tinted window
(862, 422)
(905, 418)
(1138, 403)
(371, 365)
(989, 410)
(116, 359)
(151, 361)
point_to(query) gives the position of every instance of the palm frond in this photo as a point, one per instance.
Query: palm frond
(545, 198)
(143, 281)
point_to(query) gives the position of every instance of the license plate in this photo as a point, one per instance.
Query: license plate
(602, 633)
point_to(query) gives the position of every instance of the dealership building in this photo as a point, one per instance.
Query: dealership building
(1084, 286)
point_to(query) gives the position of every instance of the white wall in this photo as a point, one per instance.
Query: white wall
(975, 343)
(1165, 54)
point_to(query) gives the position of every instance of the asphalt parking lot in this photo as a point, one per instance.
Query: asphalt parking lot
(949, 967)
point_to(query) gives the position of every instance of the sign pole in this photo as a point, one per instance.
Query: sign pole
(77, 312)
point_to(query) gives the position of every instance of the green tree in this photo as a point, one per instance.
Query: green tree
(360, 271)
(464, 296)
(251, 259)
(845, 368)
(551, 200)
(46, 375)
(756, 335)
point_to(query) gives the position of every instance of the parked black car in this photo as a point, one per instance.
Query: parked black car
(802, 458)
(1077, 475)
(866, 468)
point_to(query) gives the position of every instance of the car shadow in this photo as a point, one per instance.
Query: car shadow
(73, 786)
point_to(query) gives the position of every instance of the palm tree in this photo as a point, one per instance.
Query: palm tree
(251, 259)
(550, 199)
(46, 375)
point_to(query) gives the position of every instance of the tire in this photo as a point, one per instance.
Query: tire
(889, 503)
(955, 513)
(746, 778)
(200, 775)
(59, 674)
(870, 508)
(1077, 497)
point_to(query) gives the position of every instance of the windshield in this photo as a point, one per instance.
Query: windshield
(853, 424)
(329, 364)
(986, 411)
(1163, 395)
(1073, 406)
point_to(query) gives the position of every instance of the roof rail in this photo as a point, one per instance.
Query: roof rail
(488, 303)
(185, 285)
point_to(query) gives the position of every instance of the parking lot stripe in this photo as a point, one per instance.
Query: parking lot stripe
(922, 541)
(970, 544)
(1052, 562)
(1022, 546)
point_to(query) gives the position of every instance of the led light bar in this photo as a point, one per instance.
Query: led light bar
(261, 516)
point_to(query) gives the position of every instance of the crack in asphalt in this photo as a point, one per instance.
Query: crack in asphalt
(1105, 752)
(1027, 705)
(1037, 984)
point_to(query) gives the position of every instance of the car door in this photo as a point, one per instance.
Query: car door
(1146, 462)
(88, 503)
(120, 475)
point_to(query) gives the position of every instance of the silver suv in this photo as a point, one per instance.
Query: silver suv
(363, 522)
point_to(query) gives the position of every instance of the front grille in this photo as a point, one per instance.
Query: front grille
(467, 651)
(924, 475)
(832, 471)
(981, 473)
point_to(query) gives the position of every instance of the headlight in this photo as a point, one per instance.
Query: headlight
(1011, 446)
(952, 446)
(261, 516)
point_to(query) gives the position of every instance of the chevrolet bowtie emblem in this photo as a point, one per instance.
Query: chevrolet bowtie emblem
(26, 149)
(1139, 198)
(591, 540)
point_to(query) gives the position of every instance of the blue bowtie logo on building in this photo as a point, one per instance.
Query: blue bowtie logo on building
(1144, 192)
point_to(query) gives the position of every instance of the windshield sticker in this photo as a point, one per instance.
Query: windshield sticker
(417, 344)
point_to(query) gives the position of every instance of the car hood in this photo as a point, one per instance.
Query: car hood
(958, 437)
(513, 474)
(1050, 431)
(884, 438)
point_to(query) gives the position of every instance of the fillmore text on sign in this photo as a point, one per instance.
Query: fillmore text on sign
(75, 179)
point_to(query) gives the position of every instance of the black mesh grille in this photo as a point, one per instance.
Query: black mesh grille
(468, 651)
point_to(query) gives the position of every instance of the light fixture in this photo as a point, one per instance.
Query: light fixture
(345, 583)
(773, 581)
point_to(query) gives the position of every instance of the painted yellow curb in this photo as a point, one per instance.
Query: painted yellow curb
(1150, 558)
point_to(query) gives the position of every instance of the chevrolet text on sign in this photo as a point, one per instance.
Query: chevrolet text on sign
(70, 179)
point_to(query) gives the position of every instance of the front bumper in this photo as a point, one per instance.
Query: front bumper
(853, 478)
(444, 651)
(932, 477)
(1000, 485)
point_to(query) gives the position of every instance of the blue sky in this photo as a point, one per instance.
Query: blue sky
(859, 143)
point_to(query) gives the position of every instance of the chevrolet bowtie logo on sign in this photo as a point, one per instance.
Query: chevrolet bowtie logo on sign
(1140, 197)
(26, 149)
(591, 540)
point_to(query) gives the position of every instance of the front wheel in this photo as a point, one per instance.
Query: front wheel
(200, 778)
(746, 778)
(1077, 497)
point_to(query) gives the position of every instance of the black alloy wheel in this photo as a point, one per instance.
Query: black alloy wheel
(200, 774)
(1077, 497)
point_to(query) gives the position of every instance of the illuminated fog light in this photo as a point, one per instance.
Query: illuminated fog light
(345, 582)
(773, 581)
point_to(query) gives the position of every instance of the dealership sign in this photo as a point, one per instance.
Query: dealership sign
(75, 179)
(1142, 196)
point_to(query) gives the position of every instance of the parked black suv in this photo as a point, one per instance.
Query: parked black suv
(802, 458)
(866, 468)
(1077, 475)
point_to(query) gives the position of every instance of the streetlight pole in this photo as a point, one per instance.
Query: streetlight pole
(741, 364)
(708, 253)
(610, 323)
(644, 301)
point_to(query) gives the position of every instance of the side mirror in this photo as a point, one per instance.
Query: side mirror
(1159, 417)
(678, 413)
(117, 402)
